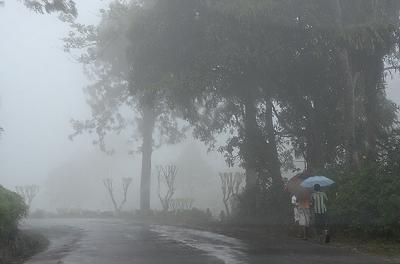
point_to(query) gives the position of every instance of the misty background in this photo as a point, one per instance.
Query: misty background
(41, 90)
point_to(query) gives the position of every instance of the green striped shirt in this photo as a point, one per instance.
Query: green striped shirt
(319, 199)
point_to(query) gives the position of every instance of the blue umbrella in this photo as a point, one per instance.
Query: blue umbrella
(321, 180)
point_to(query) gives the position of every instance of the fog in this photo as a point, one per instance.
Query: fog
(191, 131)
(41, 89)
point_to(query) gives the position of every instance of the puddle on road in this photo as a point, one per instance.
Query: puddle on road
(227, 249)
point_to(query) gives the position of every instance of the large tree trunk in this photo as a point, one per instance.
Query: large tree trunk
(278, 197)
(260, 151)
(349, 89)
(250, 155)
(250, 144)
(373, 79)
(314, 152)
(260, 155)
(349, 109)
(147, 149)
(275, 164)
(314, 134)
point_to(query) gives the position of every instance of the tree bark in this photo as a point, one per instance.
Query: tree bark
(349, 110)
(250, 144)
(349, 90)
(147, 150)
(314, 134)
(275, 164)
(373, 78)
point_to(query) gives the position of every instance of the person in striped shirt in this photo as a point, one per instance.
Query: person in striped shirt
(319, 199)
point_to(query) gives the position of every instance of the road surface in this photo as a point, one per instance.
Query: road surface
(74, 241)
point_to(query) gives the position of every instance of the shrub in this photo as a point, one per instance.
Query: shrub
(367, 202)
(12, 209)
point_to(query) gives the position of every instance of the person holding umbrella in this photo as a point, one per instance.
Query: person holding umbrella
(304, 214)
(301, 201)
(319, 200)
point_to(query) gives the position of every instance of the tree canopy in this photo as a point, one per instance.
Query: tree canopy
(279, 80)
(44, 6)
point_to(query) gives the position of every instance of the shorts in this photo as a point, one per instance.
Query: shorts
(304, 216)
(320, 221)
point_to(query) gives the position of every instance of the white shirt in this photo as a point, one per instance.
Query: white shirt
(294, 200)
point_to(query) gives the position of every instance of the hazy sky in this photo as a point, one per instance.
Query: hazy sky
(41, 90)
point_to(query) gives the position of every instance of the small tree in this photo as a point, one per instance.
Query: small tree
(168, 173)
(181, 204)
(108, 184)
(231, 185)
(28, 193)
(12, 209)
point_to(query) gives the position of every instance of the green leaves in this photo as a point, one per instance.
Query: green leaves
(368, 201)
(42, 6)
(12, 209)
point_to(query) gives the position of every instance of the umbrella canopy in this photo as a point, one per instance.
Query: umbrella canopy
(293, 186)
(320, 180)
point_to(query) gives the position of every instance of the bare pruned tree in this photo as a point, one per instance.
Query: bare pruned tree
(126, 182)
(181, 204)
(28, 193)
(108, 184)
(173, 204)
(231, 185)
(167, 174)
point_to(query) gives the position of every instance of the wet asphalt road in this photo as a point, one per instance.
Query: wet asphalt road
(75, 241)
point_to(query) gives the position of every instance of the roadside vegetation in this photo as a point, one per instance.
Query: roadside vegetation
(365, 203)
(14, 244)
(12, 209)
